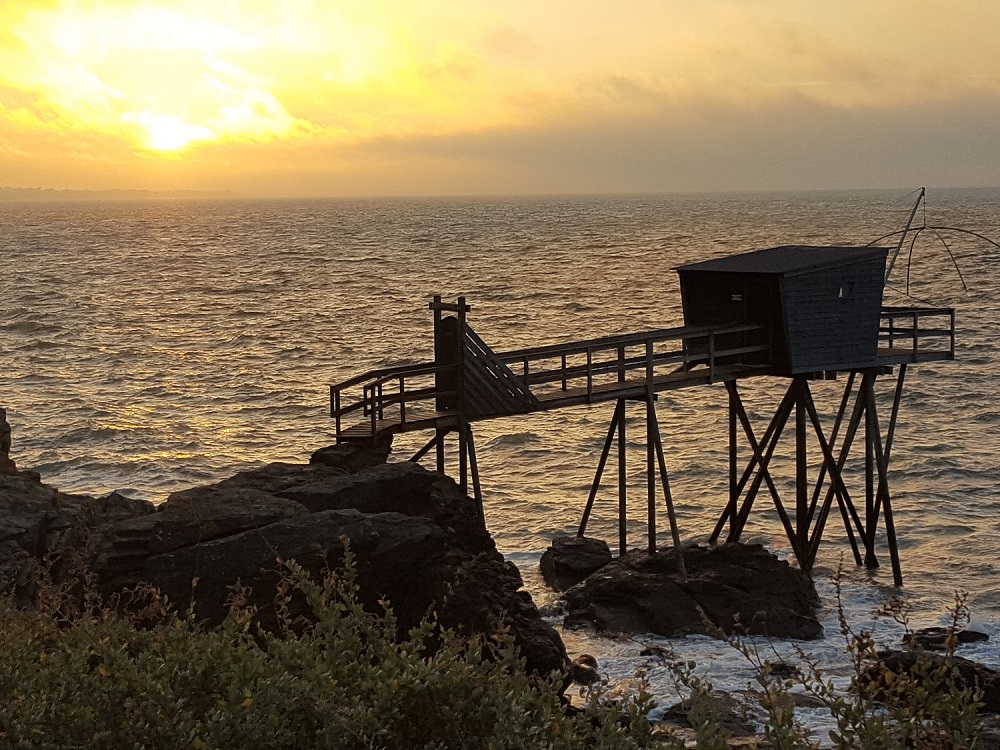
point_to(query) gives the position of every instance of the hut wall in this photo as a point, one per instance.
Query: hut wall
(719, 299)
(832, 316)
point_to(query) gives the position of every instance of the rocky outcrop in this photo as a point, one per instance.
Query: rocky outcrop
(937, 638)
(417, 540)
(571, 559)
(964, 672)
(732, 588)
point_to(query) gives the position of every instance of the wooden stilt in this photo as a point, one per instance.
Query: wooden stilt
(440, 450)
(883, 491)
(801, 473)
(650, 452)
(891, 431)
(757, 455)
(848, 513)
(650, 477)
(474, 466)
(463, 455)
(600, 470)
(837, 485)
(821, 520)
(622, 484)
(762, 457)
(668, 498)
(734, 404)
(744, 419)
(871, 518)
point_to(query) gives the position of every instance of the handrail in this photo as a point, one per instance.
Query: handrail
(911, 330)
(394, 387)
(626, 339)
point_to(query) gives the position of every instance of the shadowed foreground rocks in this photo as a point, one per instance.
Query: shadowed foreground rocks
(417, 540)
(739, 588)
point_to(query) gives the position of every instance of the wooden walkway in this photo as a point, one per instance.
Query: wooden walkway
(468, 382)
(478, 383)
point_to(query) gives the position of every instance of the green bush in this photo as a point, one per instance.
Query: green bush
(76, 673)
(929, 707)
(73, 675)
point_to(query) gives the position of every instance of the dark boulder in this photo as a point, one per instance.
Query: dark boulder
(936, 638)
(964, 672)
(417, 540)
(571, 559)
(733, 588)
(353, 456)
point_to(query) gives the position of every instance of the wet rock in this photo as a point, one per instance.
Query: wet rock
(571, 559)
(732, 711)
(965, 672)
(583, 670)
(935, 638)
(734, 587)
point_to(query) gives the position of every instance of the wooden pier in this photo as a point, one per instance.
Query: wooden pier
(799, 314)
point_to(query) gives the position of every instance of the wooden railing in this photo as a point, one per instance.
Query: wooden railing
(389, 388)
(614, 358)
(928, 331)
(392, 392)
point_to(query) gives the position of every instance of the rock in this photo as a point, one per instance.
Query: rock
(486, 592)
(34, 519)
(353, 456)
(735, 587)
(571, 559)
(391, 550)
(732, 713)
(418, 541)
(965, 671)
(935, 638)
(583, 670)
(403, 487)
(187, 518)
(7, 466)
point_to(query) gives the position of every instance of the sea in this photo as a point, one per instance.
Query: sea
(149, 346)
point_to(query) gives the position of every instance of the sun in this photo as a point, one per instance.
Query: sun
(166, 133)
(163, 77)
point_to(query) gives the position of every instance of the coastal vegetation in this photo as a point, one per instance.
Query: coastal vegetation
(79, 671)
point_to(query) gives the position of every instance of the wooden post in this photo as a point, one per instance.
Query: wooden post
(768, 442)
(440, 450)
(801, 472)
(883, 490)
(600, 470)
(871, 518)
(650, 452)
(668, 498)
(734, 404)
(474, 465)
(622, 484)
(847, 510)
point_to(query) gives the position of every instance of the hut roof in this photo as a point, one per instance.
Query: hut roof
(786, 260)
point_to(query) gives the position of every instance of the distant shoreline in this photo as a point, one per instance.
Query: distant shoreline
(43, 195)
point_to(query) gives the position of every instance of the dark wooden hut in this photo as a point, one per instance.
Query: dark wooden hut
(819, 306)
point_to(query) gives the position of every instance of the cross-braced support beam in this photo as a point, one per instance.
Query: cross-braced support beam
(805, 523)
(468, 465)
(655, 459)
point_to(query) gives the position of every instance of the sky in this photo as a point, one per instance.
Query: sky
(451, 97)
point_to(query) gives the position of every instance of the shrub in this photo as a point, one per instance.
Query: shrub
(76, 676)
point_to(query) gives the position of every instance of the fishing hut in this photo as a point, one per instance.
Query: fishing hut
(795, 314)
